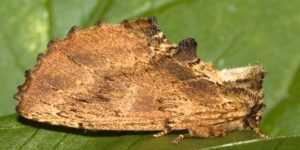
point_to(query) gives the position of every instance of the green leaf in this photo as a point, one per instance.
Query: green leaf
(284, 118)
(279, 143)
(230, 33)
(65, 14)
(20, 133)
(23, 34)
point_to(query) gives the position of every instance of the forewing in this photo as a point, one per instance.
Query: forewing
(96, 78)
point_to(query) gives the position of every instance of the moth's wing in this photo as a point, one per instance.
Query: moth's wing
(209, 97)
(123, 77)
(98, 78)
(206, 96)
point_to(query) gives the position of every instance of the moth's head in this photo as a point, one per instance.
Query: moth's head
(253, 119)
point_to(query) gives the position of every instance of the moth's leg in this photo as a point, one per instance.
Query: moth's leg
(260, 133)
(180, 137)
(166, 130)
(198, 131)
(162, 133)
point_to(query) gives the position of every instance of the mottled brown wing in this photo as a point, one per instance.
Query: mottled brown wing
(99, 78)
(127, 76)
(232, 98)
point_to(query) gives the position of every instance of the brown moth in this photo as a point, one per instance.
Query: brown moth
(130, 77)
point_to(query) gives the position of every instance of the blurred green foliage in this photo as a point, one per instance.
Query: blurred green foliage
(230, 33)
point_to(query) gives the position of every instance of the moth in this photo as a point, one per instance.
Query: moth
(130, 77)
